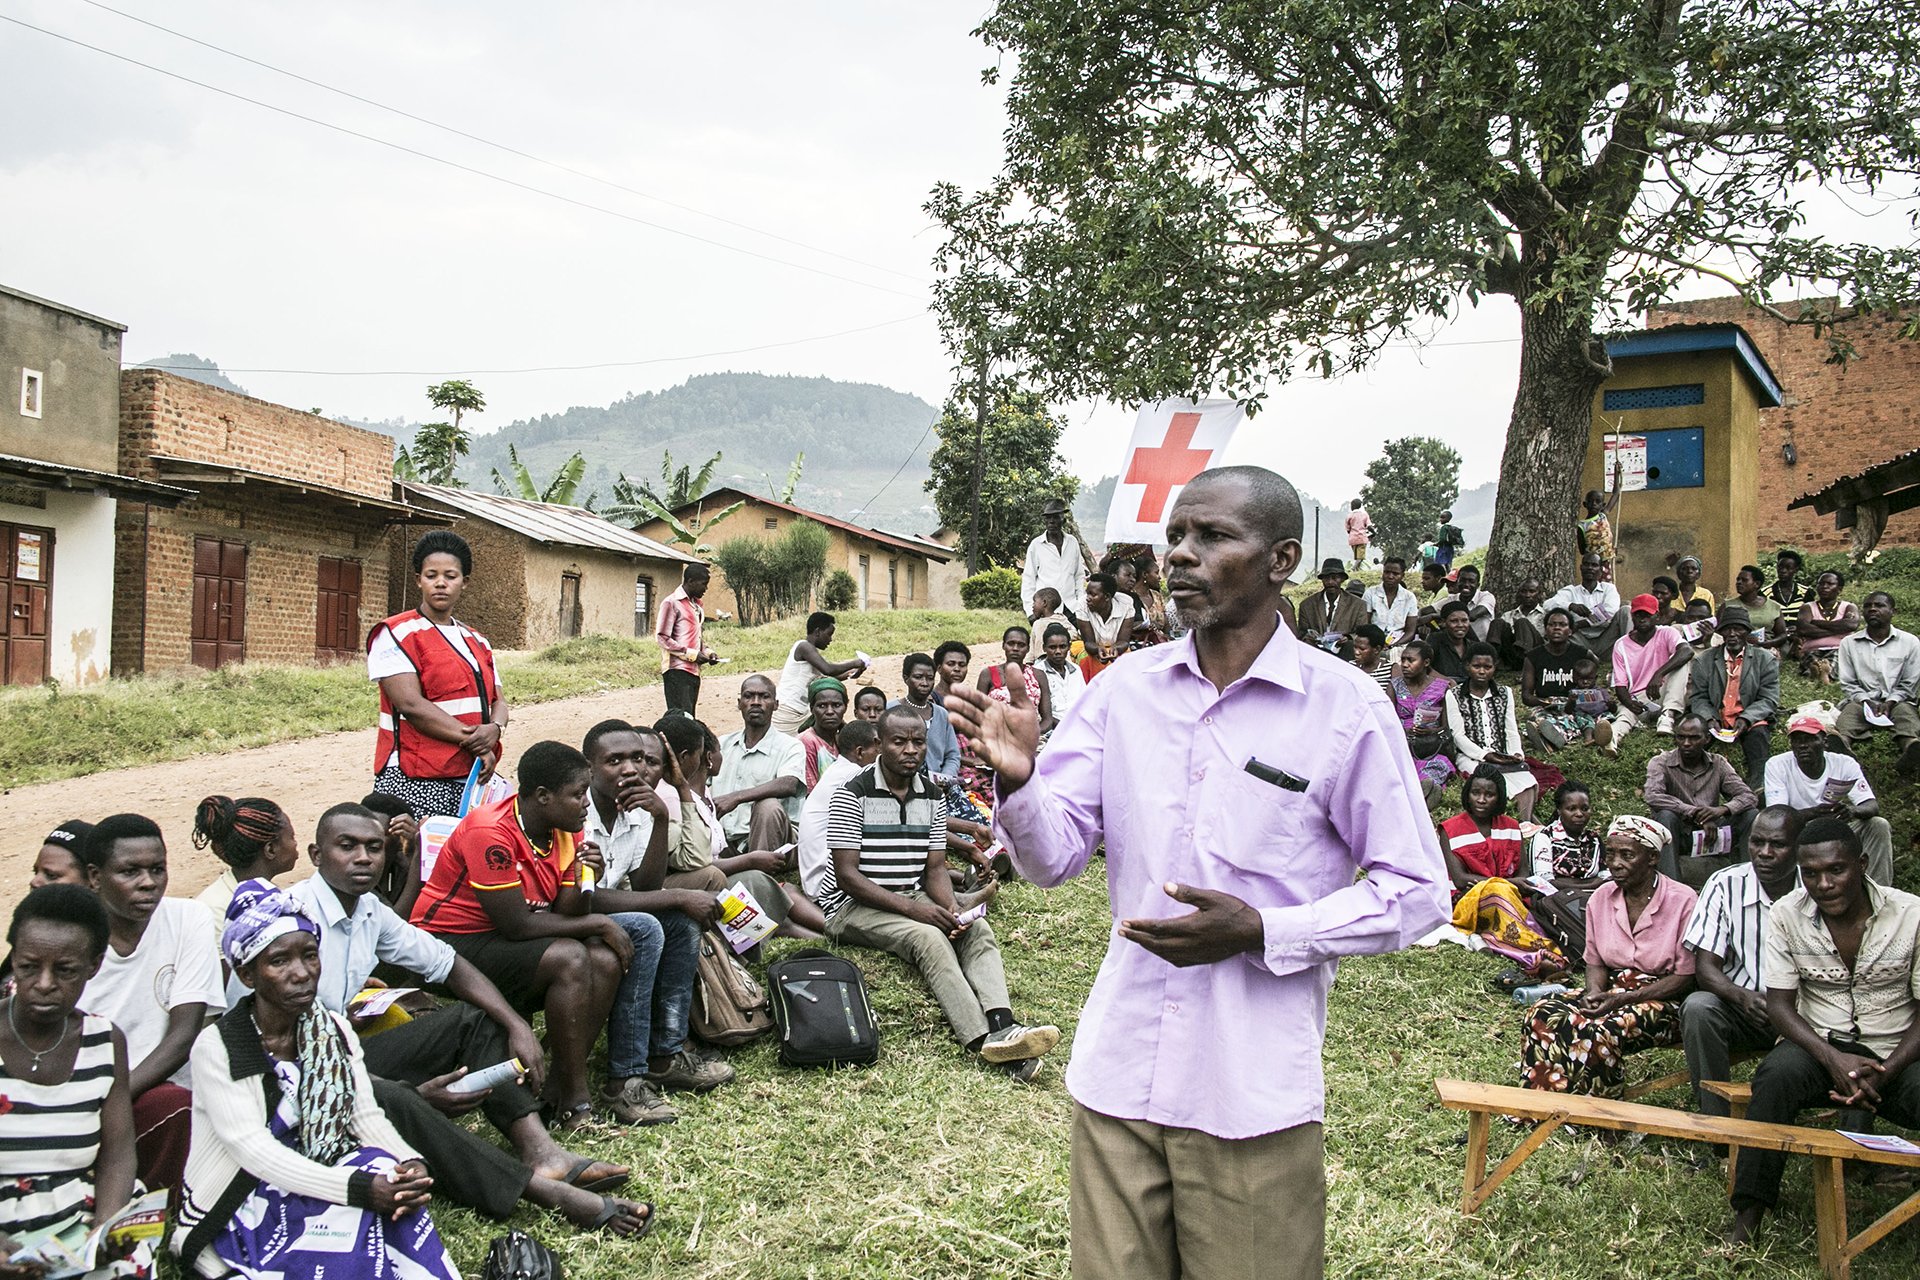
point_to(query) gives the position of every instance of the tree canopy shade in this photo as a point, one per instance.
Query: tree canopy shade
(1207, 197)
(1023, 469)
(1413, 480)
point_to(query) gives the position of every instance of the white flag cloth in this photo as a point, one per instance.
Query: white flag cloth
(1173, 442)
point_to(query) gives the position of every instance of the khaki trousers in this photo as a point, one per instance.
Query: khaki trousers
(965, 974)
(1157, 1203)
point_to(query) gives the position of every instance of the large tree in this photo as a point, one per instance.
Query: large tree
(1018, 470)
(1208, 197)
(1413, 480)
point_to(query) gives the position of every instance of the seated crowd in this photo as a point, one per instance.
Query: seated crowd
(1750, 911)
(286, 1062)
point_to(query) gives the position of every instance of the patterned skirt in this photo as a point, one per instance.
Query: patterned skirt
(1564, 1050)
(424, 796)
(277, 1235)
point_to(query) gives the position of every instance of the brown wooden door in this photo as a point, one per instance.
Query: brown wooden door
(219, 602)
(336, 617)
(27, 563)
(569, 605)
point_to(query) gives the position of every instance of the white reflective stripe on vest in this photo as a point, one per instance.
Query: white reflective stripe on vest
(461, 706)
(386, 722)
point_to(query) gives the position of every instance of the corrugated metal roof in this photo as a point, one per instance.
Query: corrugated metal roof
(547, 522)
(131, 488)
(1832, 490)
(905, 542)
(1670, 339)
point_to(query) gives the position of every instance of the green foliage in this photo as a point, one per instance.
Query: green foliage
(855, 436)
(785, 492)
(774, 579)
(1211, 198)
(1023, 468)
(995, 588)
(842, 592)
(1413, 480)
(561, 490)
(437, 450)
(635, 501)
(456, 396)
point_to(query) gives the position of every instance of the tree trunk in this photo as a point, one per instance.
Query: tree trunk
(1536, 512)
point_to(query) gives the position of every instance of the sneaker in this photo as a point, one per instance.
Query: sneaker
(690, 1073)
(634, 1101)
(1665, 727)
(1017, 1043)
(1023, 1071)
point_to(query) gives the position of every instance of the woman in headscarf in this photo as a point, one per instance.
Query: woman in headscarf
(826, 712)
(1637, 973)
(294, 1170)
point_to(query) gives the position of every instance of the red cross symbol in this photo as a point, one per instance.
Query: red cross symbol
(1167, 466)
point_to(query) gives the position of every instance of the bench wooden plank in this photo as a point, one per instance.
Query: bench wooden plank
(1881, 1226)
(1662, 1122)
(1477, 1195)
(1830, 1215)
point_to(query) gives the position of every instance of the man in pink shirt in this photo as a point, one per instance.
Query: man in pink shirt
(1197, 1145)
(682, 653)
(1649, 673)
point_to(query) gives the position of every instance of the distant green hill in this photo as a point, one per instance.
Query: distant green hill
(199, 368)
(855, 437)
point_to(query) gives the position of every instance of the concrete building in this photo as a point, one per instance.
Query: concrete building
(1833, 420)
(890, 570)
(60, 482)
(281, 556)
(542, 572)
(1684, 404)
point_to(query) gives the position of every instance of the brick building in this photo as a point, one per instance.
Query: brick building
(542, 572)
(59, 489)
(1834, 420)
(890, 570)
(282, 556)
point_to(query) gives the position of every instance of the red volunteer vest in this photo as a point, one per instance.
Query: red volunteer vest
(449, 682)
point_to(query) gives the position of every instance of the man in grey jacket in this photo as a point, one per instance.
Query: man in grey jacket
(1747, 709)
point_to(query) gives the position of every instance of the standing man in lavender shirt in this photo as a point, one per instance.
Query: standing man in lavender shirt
(1196, 1072)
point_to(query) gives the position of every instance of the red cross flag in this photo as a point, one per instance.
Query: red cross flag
(1173, 442)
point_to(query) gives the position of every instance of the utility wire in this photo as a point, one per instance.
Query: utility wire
(501, 146)
(455, 164)
(552, 368)
(868, 505)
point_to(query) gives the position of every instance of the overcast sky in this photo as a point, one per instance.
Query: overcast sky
(265, 242)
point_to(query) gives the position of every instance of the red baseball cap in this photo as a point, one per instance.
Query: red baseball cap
(1646, 604)
(1805, 724)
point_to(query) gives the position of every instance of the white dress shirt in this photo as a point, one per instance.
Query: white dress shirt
(1060, 568)
(352, 946)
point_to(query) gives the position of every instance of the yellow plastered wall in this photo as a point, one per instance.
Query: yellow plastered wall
(1717, 522)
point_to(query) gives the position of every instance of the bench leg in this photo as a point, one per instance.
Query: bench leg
(1884, 1226)
(1478, 1123)
(1738, 1110)
(1830, 1216)
(1480, 1184)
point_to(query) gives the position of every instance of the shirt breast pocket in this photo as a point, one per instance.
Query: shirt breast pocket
(1256, 827)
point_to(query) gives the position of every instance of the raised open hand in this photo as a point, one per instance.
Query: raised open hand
(1004, 736)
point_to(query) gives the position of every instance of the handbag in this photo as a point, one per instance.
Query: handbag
(728, 1005)
(518, 1256)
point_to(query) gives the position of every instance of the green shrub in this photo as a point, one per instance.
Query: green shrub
(841, 592)
(774, 579)
(996, 588)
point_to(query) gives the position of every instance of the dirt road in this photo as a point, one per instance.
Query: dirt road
(308, 776)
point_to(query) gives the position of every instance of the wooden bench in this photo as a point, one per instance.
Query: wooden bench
(1829, 1151)
(1675, 1079)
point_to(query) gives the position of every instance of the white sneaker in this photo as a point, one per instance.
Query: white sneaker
(1017, 1043)
(1665, 727)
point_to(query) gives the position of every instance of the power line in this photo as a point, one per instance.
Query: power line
(552, 368)
(868, 505)
(455, 164)
(500, 146)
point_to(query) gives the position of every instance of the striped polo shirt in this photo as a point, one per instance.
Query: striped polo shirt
(1729, 922)
(894, 836)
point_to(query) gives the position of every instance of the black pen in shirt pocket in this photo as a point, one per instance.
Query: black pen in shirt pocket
(1278, 777)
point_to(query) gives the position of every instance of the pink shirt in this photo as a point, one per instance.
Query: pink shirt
(1152, 760)
(1359, 527)
(678, 631)
(1652, 945)
(1634, 664)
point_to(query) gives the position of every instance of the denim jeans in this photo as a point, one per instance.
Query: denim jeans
(649, 1017)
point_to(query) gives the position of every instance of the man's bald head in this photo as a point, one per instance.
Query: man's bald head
(1271, 500)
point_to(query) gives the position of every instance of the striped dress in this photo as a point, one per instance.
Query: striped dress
(50, 1137)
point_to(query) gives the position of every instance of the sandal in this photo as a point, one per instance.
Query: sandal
(611, 1209)
(606, 1182)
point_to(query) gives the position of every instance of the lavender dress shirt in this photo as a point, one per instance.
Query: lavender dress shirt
(1152, 759)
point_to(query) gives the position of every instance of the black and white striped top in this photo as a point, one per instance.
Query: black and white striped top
(1728, 921)
(50, 1138)
(894, 837)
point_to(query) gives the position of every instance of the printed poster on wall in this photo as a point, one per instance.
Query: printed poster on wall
(26, 557)
(1631, 453)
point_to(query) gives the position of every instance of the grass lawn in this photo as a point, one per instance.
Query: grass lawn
(48, 733)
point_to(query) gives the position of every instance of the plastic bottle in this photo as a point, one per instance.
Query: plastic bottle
(1538, 991)
(487, 1077)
